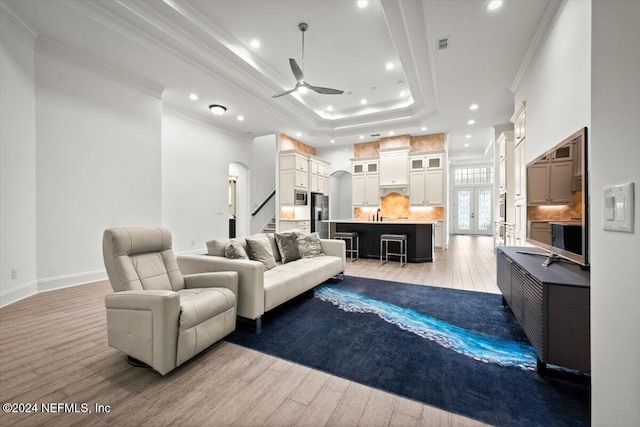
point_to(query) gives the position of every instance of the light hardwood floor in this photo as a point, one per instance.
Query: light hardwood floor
(53, 348)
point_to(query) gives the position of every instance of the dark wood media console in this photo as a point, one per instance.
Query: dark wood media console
(551, 304)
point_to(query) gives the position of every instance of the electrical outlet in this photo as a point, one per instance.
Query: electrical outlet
(193, 243)
(14, 273)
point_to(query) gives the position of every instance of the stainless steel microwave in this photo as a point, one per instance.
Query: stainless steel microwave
(300, 197)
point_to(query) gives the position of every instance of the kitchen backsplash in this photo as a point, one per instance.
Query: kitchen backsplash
(558, 213)
(396, 206)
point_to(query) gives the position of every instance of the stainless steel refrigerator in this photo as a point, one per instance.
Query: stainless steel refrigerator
(320, 212)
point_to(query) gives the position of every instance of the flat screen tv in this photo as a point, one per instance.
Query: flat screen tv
(557, 200)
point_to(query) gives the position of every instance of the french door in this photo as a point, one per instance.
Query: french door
(473, 210)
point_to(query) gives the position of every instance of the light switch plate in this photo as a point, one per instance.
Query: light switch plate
(618, 208)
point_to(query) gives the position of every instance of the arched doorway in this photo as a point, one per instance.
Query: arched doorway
(341, 198)
(239, 216)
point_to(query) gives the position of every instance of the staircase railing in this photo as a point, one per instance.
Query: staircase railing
(264, 202)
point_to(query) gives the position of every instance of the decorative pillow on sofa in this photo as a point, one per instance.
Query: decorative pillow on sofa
(309, 245)
(217, 247)
(235, 250)
(259, 249)
(288, 246)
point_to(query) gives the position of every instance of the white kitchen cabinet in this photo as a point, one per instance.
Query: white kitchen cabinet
(439, 235)
(426, 188)
(365, 190)
(362, 167)
(505, 150)
(318, 176)
(294, 175)
(519, 121)
(304, 226)
(519, 171)
(520, 225)
(394, 168)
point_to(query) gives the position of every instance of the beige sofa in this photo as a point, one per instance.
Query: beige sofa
(261, 290)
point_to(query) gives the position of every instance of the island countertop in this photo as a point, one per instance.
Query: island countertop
(385, 221)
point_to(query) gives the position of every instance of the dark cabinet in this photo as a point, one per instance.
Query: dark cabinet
(551, 304)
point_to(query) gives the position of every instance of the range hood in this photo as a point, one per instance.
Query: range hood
(402, 189)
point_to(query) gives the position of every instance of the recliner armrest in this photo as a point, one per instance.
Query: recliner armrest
(218, 279)
(250, 279)
(126, 333)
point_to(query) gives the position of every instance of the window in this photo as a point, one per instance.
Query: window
(479, 175)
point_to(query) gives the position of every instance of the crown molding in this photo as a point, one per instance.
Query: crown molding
(551, 14)
(202, 54)
(181, 113)
(89, 63)
(25, 30)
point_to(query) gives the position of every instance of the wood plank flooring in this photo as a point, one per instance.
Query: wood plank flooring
(53, 348)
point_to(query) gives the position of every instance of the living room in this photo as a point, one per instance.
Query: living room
(91, 139)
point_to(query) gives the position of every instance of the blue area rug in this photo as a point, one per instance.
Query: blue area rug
(457, 350)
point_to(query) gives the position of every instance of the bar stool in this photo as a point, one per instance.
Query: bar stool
(350, 236)
(401, 239)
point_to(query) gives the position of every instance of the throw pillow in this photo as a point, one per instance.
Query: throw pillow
(274, 247)
(288, 246)
(309, 245)
(259, 248)
(235, 250)
(217, 247)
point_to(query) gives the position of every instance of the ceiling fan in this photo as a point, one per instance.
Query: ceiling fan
(299, 75)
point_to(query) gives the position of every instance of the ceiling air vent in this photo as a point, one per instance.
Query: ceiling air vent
(443, 43)
(373, 135)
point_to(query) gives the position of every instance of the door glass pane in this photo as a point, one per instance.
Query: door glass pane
(464, 210)
(484, 210)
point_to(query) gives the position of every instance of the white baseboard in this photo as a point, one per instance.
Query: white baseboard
(51, 283)
(22, 291)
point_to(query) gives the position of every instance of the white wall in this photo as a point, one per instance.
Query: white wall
(98, 165)
(17, 163)
(340, 157)
(243, 211)
(341, 191)
(263, 179)
(557, 83)
(615, 159)
(195, 179)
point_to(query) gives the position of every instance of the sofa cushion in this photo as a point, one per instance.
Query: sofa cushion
(309, 245)
(286, 281)
(288, 246)
(235, 250)
(217, 247)
(259, 249)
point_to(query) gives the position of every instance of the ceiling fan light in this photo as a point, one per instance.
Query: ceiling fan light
(217, 109)
(362, 3)
(303, 89)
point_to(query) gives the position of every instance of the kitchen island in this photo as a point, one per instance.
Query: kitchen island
(420, 236)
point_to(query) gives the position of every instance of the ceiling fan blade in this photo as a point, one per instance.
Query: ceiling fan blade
(297, 72)
(284, 93)
(326, 90)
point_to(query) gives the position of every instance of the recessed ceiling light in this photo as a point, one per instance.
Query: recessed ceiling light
(193, 97)
(466, 145)
(255, 43)
(391, 133)
(389, 66)
(240, 118)
(363, 101)
(332, 141)
(471, 122)
(423, 128)
(467, 136)
(299, 134)
(303, 89)
(362, 3)
(473, 107)
(217, 109)
(403, 94)
(361, 136)
(494, 4)
(329, 108)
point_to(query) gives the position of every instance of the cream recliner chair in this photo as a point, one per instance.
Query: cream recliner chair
(157, 315)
